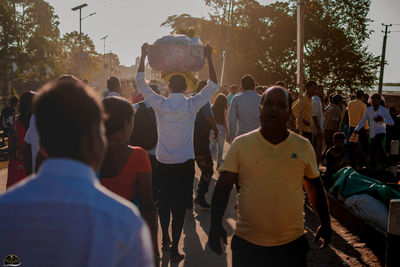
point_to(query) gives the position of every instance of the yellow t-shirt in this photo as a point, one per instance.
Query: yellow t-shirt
(307, 112)
(356, 110)
(271, 197)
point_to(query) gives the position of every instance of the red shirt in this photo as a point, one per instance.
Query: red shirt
(124, 184)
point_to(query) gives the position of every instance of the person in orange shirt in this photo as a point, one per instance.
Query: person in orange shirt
(307, 109)
(356, 109)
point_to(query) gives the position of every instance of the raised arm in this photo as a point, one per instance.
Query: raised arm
(211, 70)
(149, 95)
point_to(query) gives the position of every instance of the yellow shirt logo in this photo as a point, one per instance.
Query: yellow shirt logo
(11, 260)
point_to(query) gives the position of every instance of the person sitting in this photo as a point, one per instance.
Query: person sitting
(63, 216)
(126, 170)
(336, 158)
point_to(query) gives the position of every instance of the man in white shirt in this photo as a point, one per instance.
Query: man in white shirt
(175, 152)
(63, 216)
(378, 117)
(318, 121)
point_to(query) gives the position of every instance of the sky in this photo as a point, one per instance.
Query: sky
(130, 23)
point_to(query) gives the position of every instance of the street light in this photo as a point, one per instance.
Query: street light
(80, 33)
(104, 59)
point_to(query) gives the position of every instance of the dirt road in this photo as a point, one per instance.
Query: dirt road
(345, 249)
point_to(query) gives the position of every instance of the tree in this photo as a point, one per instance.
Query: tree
(261, 40)
(31, 39)
(91, 60)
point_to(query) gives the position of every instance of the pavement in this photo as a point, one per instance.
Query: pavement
(345, 249)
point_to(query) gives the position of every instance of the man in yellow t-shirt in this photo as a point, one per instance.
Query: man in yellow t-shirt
(356, 109)
(307, 109)
(270, 165)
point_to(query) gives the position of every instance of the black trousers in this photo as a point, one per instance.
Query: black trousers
(377, 149)
(206, 167)
(291, 254)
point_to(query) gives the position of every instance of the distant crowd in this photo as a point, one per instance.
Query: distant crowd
(90, 179)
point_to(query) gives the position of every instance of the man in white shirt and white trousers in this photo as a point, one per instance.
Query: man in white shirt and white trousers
(175, 151)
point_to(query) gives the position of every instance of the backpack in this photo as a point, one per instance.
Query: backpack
(144, 132)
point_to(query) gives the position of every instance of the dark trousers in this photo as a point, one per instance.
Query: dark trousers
(291, 254)
(377, 149)
(362, 139)
(206, 167)
(155, 181)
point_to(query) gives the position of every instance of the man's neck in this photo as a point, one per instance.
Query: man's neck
(275, 136)
(375, 107)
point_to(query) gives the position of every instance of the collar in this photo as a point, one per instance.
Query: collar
(176, 95)
(248, 92)
(65, 167)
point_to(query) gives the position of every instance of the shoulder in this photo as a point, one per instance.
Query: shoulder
(137, 150)
(247, 137)
(298, 139)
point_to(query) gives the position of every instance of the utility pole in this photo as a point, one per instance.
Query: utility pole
(383, 57)
(229, 24)
(300, 55)
(104, 60)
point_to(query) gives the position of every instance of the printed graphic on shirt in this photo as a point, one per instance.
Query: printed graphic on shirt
(11, 260)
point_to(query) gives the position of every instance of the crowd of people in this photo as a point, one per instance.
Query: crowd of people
(105, 170)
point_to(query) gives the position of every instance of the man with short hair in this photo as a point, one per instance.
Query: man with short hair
(333, 115)
(175, 151)
(317, 128)
(63, 216)
(307, 110)
(233, 91)
(271, 165)
(356, 109)
(378, 117)
(113, 87)
(243, 111)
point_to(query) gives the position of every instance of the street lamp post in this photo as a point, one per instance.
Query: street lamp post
(300, 54)
(80, 33)
(104, 60)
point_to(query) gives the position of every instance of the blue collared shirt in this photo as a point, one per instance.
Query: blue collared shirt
(243, 113)
(65, 217)
(175, 120)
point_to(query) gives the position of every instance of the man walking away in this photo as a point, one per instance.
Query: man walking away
(175, 152)
(203, 124)
(243, 111)
(271, 165)
(356, 110)
(63, 216)
(113, 87)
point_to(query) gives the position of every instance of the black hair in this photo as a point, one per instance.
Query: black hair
(281, 83)
(339, 136)
(359, 94)
(310, 84)
(376, 96)
(14, 100)
(220, 104)
(66, 110)
(177, 84)
(25, 108)
(290, 98)
(155, 88)
(201, 85)
(248, 82)
(113, 84)
(118, 111)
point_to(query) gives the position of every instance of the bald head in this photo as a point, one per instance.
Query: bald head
(275, 109)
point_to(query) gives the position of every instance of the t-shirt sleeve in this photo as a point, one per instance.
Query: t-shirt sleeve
(231, 163)
(143, 160)
(311, 170)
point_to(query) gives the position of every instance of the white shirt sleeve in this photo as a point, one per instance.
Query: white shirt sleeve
(362, 121)
(200, 99)
(387, 118)
(30, 132)
(153, 99)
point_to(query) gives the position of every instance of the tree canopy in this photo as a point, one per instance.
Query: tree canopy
(261, 40)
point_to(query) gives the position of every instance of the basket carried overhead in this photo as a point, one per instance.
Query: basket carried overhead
(176, 53)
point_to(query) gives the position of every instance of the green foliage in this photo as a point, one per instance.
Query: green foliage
(261, 40)
(91, 60)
